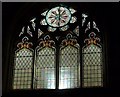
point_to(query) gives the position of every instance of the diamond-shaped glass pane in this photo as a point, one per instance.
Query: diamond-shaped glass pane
(69, 68)
(23, 69)
(92, 66)
(24, 52)
(45, 68)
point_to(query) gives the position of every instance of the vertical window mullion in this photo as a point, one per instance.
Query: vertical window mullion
(33, 66)
(57, 67)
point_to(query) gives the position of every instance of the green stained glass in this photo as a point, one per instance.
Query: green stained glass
(45, 68)
(92, 66)
(23, 69)
(69, 68)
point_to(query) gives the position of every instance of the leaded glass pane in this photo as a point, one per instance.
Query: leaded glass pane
(45, 68)
(73, 19)
(43, 22)
(76, 30)
(51, 29)
(92, 66)
(72, 10)
(39, 33)
(44, 13)
(64, 28)
(23, 69)
(69, 68)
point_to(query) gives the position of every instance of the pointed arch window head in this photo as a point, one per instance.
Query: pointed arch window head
(92, 59)
(22, 70)
(44, 73)
(69, 65)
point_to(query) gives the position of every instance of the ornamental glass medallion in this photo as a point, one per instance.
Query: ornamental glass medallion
(58, 16)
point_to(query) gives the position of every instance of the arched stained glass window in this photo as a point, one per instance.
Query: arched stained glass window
(23, 69)
(69, 65)
(45, 66)
(64, 55)
(92, 66)
(92, 62)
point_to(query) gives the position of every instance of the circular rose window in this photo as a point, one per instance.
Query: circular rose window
(58, 16)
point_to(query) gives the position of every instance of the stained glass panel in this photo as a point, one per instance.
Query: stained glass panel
(43, 22)
(92, 66)
(58, 16)
(64, 28)
(44, 13)
(72, 10)
(73, 19)
(39, 33)
(33, 23)
(23, 69)
(76, 30)
(45, 68)
(84, 16)
(69, 68)
(68, 71)
(51, 29)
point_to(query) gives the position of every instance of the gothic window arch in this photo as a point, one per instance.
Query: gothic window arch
(23, 61)
(65, 54)
(69, 64)
(45, 66)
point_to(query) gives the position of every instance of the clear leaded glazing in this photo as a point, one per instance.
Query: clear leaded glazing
(92, 66)
(23, 69)
(69, 68)
(45, 69)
